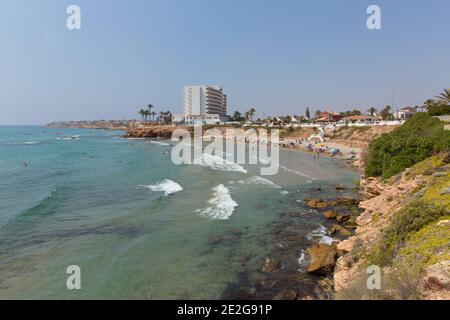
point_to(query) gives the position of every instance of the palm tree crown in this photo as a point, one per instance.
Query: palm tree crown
(372, 111)
(444, 96)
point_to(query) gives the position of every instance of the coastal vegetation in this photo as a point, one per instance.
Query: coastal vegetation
(408, 237)
(420, 137)
(164, 117)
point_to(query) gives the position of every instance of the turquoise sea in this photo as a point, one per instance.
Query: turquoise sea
(140, 227)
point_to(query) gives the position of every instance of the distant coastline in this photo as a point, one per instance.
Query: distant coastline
(94, 124)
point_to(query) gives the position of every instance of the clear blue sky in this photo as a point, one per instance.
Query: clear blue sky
(278, 56)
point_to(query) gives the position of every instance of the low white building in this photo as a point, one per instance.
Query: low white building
(191, 119)
(404, 113)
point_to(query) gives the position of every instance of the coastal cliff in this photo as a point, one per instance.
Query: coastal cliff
(405, 230)
(164, 132)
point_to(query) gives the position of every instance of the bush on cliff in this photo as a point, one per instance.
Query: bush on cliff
(419, 138)
(439, 109)
(409, 220)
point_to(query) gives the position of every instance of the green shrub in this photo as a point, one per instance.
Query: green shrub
(417, 139)
(412, 218)
(439, 109)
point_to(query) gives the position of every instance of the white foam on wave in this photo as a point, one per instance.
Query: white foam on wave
(222, 205)
(317, 233)
(326, 240)
(69, 138)
(258, 180)
(22, 143)
(302, 259)
(167, 186)
(284, 192)
(322, 233)
(218, 163)
(299, 173)
(159, 143)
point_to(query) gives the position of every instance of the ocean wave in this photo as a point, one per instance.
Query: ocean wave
(222, 205)
(258, 180)
(218, 163)
(167, 186)
(326, 240)
(322, 233)
(74, 138)
(302, 259)
(22, 143)
(299, 173)
(317, 233)
(160, 143)
(41, 207)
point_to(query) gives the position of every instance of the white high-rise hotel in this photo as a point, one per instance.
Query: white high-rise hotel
(206, 104)
(202, 100)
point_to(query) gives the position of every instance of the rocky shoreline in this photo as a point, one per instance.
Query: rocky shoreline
(333, 265)
(299, 262)
(383, 202)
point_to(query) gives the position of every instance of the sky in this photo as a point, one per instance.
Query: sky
(276, 56)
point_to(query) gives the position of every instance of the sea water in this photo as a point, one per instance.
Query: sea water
(138, 226)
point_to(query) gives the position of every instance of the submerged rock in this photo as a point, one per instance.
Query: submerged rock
(343, 217)
(323, 259)
(270, 265)
(335, 228)
(235, 231)
(286, 295)
(330, 214)
(347, 201)
(215, 240)
(293, 237)
(316, 203)
(294, 214)
(261, 206)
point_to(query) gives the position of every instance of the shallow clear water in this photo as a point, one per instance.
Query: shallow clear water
(90, 198)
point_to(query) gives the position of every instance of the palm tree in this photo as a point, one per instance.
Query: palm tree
(372, 111)
(386, 113)
(429, 103)
(444, 96)
(167, 117)
(237, 116)
(153, 114)
(142, 113)
(251, 113)
(150, 107)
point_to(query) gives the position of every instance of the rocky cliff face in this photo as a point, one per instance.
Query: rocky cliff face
(153, 132)
(404, 230)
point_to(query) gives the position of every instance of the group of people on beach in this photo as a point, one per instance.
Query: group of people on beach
(317, 148)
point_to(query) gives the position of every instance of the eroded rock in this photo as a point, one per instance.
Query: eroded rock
(322, 259)
(330, 214)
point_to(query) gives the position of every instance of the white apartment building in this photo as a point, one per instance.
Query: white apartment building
(203, 104)
(202, 100)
